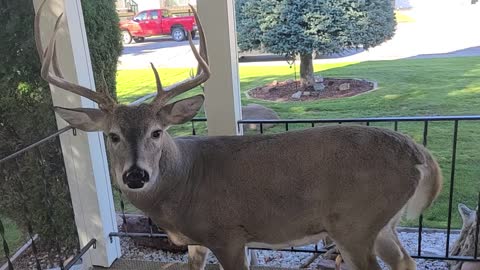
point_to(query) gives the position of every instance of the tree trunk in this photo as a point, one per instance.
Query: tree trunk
(306, 70)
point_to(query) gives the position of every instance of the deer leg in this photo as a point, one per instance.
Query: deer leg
(310, 260)
(391, 251)
(253, 257)
(197, 257)
(357, 250)
(232, 257)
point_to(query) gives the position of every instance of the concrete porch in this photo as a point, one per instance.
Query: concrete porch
(122, 264)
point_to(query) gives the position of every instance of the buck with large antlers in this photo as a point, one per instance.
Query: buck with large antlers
(353, 183)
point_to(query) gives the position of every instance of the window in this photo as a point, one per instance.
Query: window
(154, 15)
(141, 16)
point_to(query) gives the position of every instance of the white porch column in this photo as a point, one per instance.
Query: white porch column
(84, 154)
(222, 90)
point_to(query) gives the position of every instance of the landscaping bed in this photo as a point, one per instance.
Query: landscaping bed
(291, 90)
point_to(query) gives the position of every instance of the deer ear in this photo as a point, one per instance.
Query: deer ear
(466, 213)
(85, 119)
(181, 111)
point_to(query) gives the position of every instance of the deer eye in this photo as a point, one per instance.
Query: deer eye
(114, 137)
(156, 134)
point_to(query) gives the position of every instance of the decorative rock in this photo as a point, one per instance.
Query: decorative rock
(319, 86)
(297, 95)
(318, 79)
(274, 83)
(306, 93)
(256, 112)
(344, 87)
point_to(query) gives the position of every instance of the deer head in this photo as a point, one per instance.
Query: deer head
(137, 135)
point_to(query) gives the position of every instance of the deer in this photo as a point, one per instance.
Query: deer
(225, 193)
(465, 244)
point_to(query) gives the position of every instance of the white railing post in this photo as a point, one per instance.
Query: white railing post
(222, 90)
(84, 155)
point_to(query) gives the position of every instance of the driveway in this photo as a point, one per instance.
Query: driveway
(438, 31)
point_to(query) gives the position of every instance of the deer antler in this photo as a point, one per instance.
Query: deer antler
(203, 70)
(49, 59)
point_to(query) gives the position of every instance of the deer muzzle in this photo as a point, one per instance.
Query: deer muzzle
(135, 177)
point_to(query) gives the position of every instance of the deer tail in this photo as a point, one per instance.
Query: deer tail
(428, 188)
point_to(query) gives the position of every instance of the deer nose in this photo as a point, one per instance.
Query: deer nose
(135, 177)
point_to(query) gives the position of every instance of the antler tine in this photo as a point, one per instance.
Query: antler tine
(201, 34)
(203, 72)
(36, 29)
(49, 59)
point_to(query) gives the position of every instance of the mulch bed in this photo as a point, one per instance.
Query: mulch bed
(47, 259)
(140, 224)
(283, 91)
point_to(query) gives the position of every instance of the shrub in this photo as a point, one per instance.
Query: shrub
(37, 178)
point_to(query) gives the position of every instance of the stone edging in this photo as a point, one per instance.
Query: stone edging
(375, 87)
(19, 252)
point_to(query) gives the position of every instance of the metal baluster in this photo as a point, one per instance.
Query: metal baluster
(122, 208)
(150, 225)
(475, 254)
(452, 182)
(313, 124)
(28, 222)
(420, 219)
(261, 128)
(6, 249)
(194, 132)
(52, 222)
(286, 126)
(395, 126)
(49, 207)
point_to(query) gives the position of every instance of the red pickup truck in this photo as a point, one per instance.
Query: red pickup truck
(157, 22)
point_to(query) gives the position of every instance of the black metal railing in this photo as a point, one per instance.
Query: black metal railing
(395, 124)
(27, 214)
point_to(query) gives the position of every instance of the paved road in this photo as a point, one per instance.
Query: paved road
(437, 32)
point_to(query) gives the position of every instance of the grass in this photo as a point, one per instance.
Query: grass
(14, 237)
(403, 18)
(448, 86)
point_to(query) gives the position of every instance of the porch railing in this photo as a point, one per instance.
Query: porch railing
(7, 252)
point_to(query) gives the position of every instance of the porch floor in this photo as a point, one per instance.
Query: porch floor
(122, 264)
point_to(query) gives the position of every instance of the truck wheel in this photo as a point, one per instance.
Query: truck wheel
(126, 37)
(139, 39)
(178, 34)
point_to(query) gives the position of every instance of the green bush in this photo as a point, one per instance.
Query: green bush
(36, 181)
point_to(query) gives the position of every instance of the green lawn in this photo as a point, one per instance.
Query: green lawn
(15, 238)
(448, 86)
